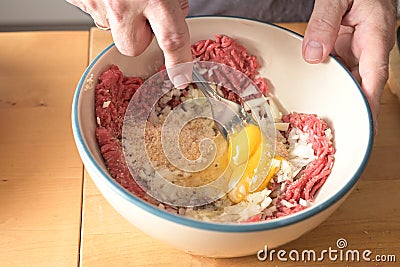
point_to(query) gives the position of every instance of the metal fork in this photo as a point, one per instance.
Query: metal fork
(229, 116)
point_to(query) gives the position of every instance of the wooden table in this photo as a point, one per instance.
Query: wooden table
(394, 67)
(51, 214)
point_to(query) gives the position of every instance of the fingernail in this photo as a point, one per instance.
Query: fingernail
(313, 52)
(180, 81)
(181, 74)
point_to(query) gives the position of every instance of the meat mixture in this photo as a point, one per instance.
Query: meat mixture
(304, 149)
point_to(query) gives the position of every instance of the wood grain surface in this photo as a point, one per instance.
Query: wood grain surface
(41, 172)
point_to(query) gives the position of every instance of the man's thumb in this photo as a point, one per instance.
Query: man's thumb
(322, 29)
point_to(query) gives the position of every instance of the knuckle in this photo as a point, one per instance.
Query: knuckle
(114, 5)
(173, 41)
(380, 73)
(91, 5)
(344, 5)
(383, 71)
(327, 15)
(321, 24)
(116, 9)
(184, 4)
(385, 37)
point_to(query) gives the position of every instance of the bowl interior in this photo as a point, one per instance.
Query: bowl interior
(325, 89)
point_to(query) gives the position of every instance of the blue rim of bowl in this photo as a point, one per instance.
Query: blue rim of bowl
(210, 226)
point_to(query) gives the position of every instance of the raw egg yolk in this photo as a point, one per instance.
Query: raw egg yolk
(243, 145)
(245, 149)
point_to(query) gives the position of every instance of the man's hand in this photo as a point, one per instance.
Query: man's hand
(133, 23)
(360, 33)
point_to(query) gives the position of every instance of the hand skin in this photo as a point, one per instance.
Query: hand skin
(360, 33)
(133, 23)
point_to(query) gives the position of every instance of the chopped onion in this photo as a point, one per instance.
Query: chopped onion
(106, 104)
(282, 126)
(276, 114)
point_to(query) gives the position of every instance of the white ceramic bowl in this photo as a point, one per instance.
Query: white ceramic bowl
(325, 89)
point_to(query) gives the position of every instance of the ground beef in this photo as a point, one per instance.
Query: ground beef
(112, 95)
(227, 51)
(316, 173)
